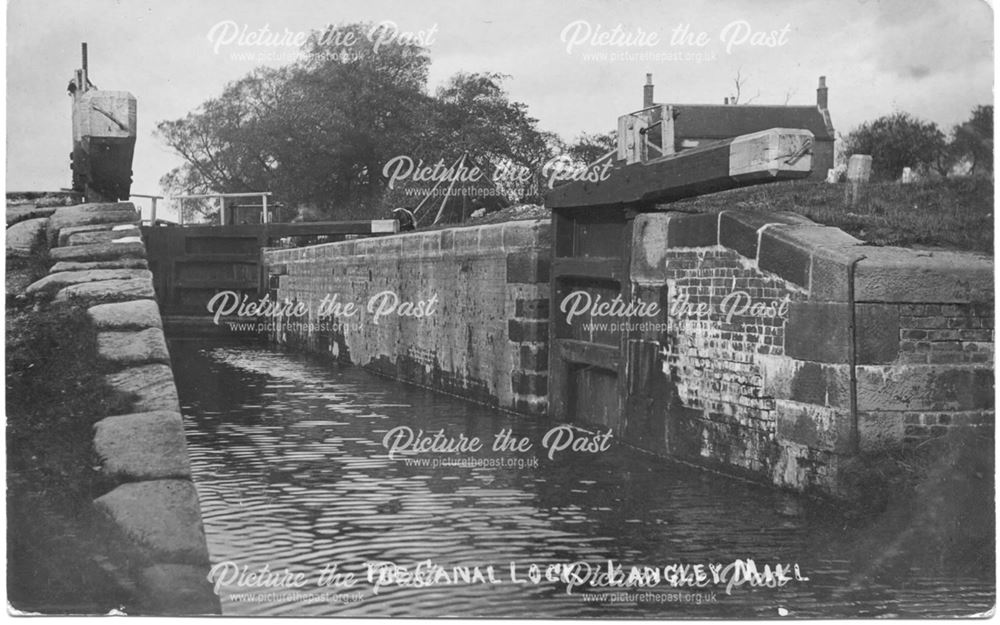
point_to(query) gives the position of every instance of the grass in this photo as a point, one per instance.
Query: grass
(57, 548)
(954, 213)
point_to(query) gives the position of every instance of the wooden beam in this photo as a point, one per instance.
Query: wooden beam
(377, 226)
(583, 352)
(593, 267)
(767, 156)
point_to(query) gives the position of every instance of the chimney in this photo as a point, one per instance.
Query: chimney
(647, 92)
(726, 100)
(821, 93)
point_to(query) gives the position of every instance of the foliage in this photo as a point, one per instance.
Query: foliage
(319, 132)
(589, 147)
(897, 141)
(973, 140)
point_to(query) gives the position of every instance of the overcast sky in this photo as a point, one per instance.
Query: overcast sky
(932, 58)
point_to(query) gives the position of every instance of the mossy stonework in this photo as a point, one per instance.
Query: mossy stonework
(781, 349)
(81, 267)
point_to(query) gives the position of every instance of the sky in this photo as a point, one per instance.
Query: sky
(577, 65)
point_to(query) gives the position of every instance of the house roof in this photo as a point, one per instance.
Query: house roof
(722, 121)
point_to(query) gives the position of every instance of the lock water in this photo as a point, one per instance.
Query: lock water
(292, 475)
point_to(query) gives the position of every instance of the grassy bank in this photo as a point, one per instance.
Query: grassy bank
(956, 213)
(931, 506)
(57, 548)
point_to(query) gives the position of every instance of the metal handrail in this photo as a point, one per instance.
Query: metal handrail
(263, 195)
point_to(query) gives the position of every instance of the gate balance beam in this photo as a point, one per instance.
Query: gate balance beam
(767, 156)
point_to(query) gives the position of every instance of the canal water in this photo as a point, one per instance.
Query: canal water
(298, 491)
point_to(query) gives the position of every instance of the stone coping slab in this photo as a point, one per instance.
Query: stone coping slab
(142, 446)
(137, 314)
(133, 347)
(153, 385)
(161, 518)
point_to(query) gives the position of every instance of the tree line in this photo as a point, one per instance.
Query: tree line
(902, 140)
(318, 133)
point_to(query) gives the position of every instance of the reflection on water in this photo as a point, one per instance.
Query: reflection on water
(289, 463)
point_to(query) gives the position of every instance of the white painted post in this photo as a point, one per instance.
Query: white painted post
(222, 210)
(152, 212)
(859, 170)
(263, 209)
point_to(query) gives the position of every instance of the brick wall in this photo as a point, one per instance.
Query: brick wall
(851, 348)
(485, 341)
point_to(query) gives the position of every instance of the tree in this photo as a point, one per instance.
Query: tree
(897, 141)
(740, 81)
(320, 131)
(314, 132)
(973, 140)
(589, 147)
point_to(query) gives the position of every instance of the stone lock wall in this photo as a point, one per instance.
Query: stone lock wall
(98, 263)
(824, 349)
(487, 337)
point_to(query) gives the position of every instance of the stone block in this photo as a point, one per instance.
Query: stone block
(99, 251)
(55, 281)
(430, 243)
(527, 331)
(491, 237)
(526, 234)
(466, 239)
(532, 308)
(805, 382)
(529, 383)
(818, 331)
(412, 246)
(447, 240)
(902, 275)
(527, 267)
(135, 314)
(87, 214)
(534, 358)
(100, 236)
(161, 518)
(66, 233)
(787, 250)
(881, 430)
(924, 387)
(152, 385)
(17, 214)
(124, 263)
(877, 334)
(133, 348)
(26, 237)
(654, 233)
(815, 427)
(106, 291)
(142, 446)
(738, 230)
(829, 272)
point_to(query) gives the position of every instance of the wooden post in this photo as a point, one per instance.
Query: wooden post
(152, 212)
(859, 170)
(667, 129)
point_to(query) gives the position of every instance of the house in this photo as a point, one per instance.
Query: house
(698, 124)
